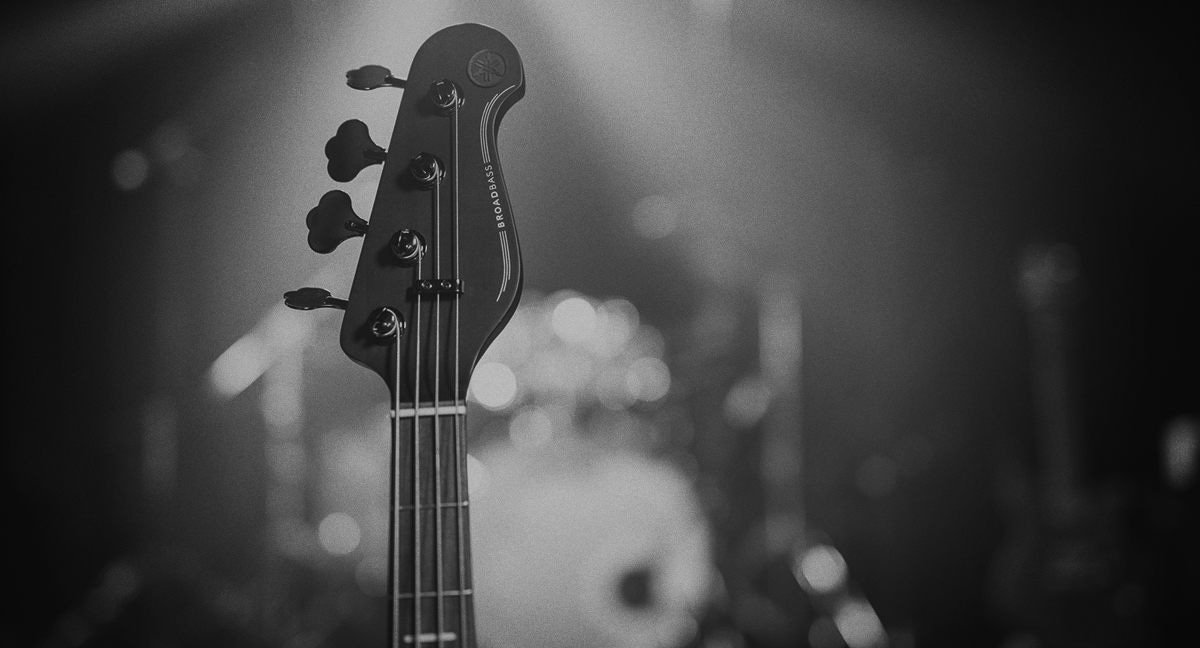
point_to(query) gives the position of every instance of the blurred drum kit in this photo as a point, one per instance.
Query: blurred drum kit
(627, 495)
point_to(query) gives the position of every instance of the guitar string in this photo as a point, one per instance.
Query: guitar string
(437, 404)
(394, 514)
(459, 440)
(416, 448)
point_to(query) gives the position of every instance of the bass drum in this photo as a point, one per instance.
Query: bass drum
(579, 546)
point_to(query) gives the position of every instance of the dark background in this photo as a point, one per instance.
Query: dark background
(1022, 122)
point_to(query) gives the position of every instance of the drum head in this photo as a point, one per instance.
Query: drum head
(578, 545)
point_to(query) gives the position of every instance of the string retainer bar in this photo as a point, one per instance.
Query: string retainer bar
(441, 287)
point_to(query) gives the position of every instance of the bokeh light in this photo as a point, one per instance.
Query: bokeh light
(859, 625)
(493, 385)
(821, 568)
(574, 319)
(130, 169)
(339, 534)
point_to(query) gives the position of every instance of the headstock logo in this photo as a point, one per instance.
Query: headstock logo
(486, 68)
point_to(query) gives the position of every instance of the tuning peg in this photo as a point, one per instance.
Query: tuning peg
(369, 77)
(312, 298)
(351, 150)
(332, 221)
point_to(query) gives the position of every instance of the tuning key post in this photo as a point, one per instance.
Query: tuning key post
(445, 95)
(426, 169)
(407, 246)
(386, 324)
(370, 77)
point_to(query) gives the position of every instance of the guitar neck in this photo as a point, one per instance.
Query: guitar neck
(429, 557)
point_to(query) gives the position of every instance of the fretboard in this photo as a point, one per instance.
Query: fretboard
(429, 558)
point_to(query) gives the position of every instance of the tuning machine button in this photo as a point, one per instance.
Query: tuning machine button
(311, 299)
(332, 221)
(351, 150)
(369, 77)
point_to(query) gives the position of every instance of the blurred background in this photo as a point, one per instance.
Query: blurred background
(857, 323)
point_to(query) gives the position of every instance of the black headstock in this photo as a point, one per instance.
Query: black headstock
(439, 273)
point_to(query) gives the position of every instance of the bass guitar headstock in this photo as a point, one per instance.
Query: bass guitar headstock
(439, 272)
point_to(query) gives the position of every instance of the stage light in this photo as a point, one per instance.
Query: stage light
(130, 169)
(1180, 448)
(493, 385)
(339, 534)
(648, 379)
(574, 319)
(859, 625)
(822, 569)
(239, 366)
(747, 402)
(617, 320)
